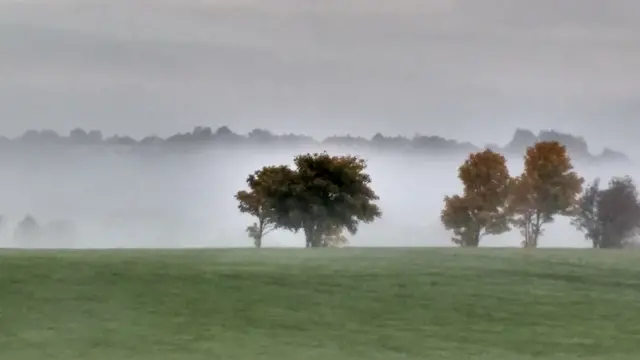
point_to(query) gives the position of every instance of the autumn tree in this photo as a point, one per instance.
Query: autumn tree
(610, 217)
(265, 185)
(480, 210)
(547, 187)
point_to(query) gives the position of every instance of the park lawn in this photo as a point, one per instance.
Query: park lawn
(340, 304)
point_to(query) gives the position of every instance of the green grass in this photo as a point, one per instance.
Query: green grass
(326, 304)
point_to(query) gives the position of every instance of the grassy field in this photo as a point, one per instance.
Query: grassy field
(488, 304)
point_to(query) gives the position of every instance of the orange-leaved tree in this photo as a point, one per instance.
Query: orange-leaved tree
(480, 210)
(547, 187)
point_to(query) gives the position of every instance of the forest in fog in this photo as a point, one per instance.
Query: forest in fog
(122, 194)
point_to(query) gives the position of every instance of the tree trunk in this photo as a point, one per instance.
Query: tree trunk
(313, 236)
(473, 239)
(308, 236)
(476, 239)
(597, 242)
(260, 234)
(531, 230)
(536, 230)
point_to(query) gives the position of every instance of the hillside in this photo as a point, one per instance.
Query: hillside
(331, 304)
(225, 137)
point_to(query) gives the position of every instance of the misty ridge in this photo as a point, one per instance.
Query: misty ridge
(85, 190)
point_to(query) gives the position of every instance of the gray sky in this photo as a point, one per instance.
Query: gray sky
(468, 69)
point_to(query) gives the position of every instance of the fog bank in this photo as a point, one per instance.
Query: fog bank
(186, 200)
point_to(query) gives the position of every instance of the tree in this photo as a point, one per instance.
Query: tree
(481, 209)
(28, 230)
(547, 187)
(619, 213)
(586, 216)
(265, 185)
(329, 192)
(324, 193)
(609, 218)
(78, 136)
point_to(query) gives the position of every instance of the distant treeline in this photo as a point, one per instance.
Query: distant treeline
(205, 136)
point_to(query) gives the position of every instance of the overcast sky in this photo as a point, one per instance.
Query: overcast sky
(468, 69)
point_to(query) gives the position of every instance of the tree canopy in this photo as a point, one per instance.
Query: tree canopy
(480, 210)
(265, 185)
(321, 194)
(547, 187)
(27, 230)
(610, 217)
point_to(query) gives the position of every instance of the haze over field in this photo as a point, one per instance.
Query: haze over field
(186, 200)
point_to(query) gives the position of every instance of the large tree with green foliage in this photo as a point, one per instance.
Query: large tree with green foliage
(329, 192)
(321, 196)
